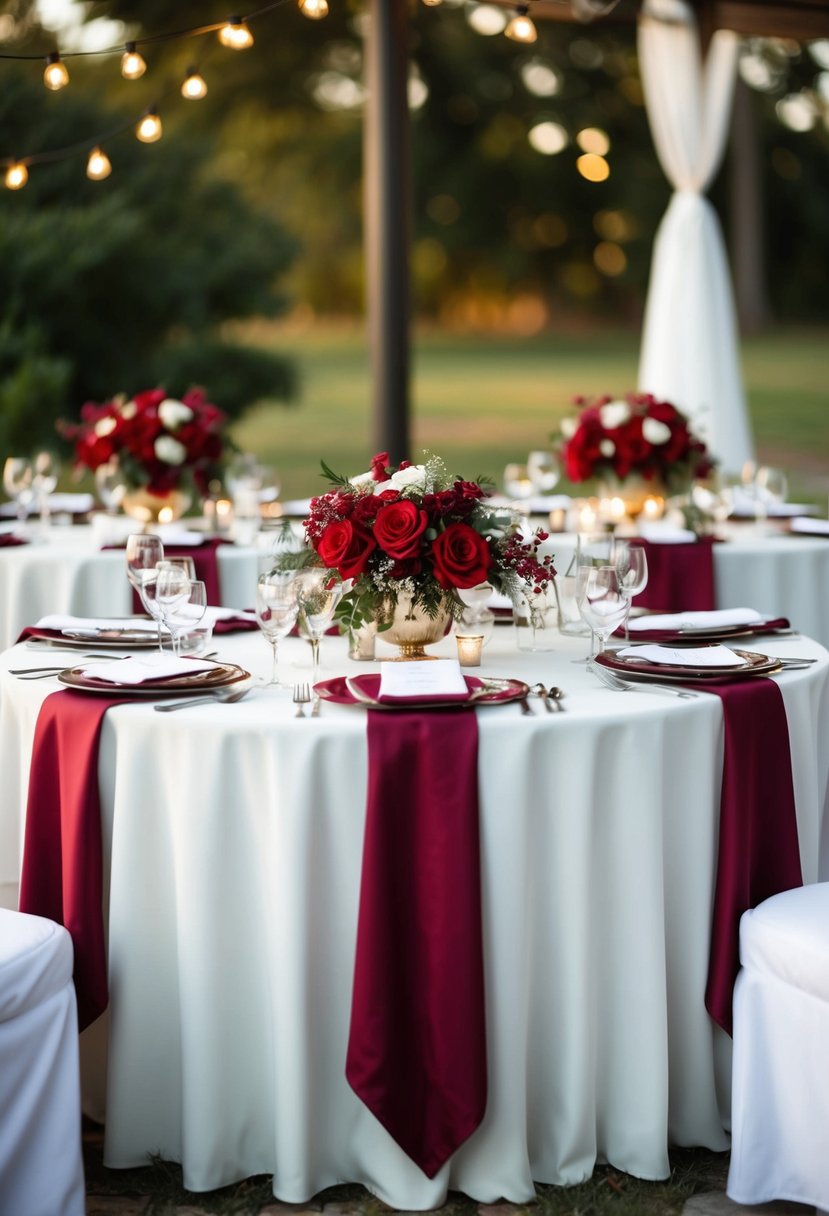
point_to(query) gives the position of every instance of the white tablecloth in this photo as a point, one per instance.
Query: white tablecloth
(233, 839)
(781, 575)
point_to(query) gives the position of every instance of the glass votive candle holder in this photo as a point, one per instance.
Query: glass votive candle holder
(361, 643)
(470, 647)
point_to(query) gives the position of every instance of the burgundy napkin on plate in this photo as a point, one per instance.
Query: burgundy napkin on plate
(680, 577)
(62, 854)
(417, 1044)
(675, 635)
(7, 540)
(758, 846)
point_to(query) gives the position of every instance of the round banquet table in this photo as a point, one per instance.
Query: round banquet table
(232, 859)
(66, 571)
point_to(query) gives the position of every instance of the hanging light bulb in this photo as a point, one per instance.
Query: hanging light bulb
(521, 28)
(236, 35)
(149, 128)
(194, 86)
(16, 175)
(98, 166)
(55, 75)
(314, 9)
(133, 64)
(432, 3)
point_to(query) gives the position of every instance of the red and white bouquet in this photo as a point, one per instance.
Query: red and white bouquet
(157, 440)
(633, 435)
(415, 529)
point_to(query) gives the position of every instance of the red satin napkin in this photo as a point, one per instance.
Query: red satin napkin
(7, 540)
(417, 1044)
(62, 854)
(680, 577)
(758, 846)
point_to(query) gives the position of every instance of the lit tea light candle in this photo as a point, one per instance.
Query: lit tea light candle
(558, 519)
(165, 515)
(653, 508)
(469, 649)
(586, 517)
(224, 512)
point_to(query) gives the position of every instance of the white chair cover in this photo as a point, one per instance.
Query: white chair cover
(689, 353)
(41, 1168)
(780, 1080)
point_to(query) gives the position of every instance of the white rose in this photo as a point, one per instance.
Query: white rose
(384, 485)
(607, 447)
(614, 414)
(569, 426)
(128, 410)
(362, 479)
(105, 426)
(412, 478)
(174, 414)
(169, 451)
(654, 431)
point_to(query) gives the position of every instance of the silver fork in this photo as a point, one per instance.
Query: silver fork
(613, 681)
(302, 697)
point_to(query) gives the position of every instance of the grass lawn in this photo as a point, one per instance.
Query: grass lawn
(480, 401)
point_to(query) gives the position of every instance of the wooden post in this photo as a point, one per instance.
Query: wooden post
(387, 211)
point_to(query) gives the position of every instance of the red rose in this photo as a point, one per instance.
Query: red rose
(378, 466)
(346, 547)
(399, 527)
(461, 557)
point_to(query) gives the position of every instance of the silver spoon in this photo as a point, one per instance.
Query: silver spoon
(556, 695)
(542, 692)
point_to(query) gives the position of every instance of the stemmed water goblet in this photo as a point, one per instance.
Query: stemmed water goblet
(143, 553)
(318, 594)
(111, 486)
(276, 612)
(544, 471)
(17, 482)
(632, 567)
(183, 612)
(172, 591)
(604, 605)
(45, 473)
(148, 586)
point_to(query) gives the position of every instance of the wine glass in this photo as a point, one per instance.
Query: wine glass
(17, 482)
(632, 568)
(543, 471)
(143, 553)
(276, 612)
(318, 594)
(111, 486)
(149, 583)
(185, 613)
(772, 485)
(517, 484)
(605, 604)
(45, 473)
(172, 591)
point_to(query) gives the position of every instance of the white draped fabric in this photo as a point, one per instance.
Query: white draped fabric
(689, 349)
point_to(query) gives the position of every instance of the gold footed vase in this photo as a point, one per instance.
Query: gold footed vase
(412, 628)
(146, 508)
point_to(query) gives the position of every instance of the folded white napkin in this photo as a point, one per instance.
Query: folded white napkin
(59, 504)
(440, 678)
(77, 624)
(138, 670)
(665, 534)
(695, 656)
(815, 526)
(719, 618)
(297, 506)
(542, 504)
(499, 601)
(214, 614)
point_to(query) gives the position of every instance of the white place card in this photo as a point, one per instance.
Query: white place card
(692, 656)
(438, 678)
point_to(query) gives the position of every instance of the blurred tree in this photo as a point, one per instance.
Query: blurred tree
(119, 285)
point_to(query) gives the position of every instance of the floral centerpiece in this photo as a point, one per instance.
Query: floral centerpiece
(634, 437)
(163, 446)
(408, 540)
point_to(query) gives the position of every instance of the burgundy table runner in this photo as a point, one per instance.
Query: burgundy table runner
(7, 541)
(62, 876)
(680, 577)
(417, 1043)
(758, 846)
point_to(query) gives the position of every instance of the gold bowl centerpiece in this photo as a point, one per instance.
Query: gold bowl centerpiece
(406, 539)
(163, 448)
(635, 448)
